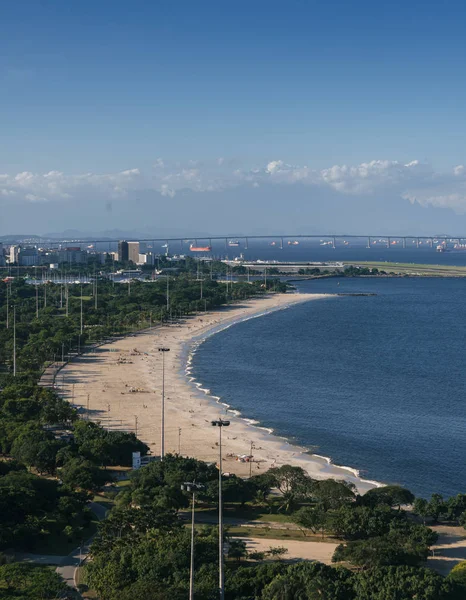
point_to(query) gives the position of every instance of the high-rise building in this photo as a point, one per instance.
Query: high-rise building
(2, 257)
(14, 255)
(133, 252)
(122, 251)
(72, 254)
(29, 257)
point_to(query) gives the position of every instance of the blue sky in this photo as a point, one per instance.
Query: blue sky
(216, 91)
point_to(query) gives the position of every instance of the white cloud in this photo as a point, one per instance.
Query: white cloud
(414, 181)
(167, 191)
(34, 198)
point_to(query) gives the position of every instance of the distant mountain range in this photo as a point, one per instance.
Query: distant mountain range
(266, 210)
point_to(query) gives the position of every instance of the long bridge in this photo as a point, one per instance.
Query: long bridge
(280, 239)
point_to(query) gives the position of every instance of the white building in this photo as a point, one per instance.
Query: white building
(14, 255)
(146, 259)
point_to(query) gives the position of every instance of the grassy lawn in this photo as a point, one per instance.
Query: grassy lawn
(276, 534)
(247, 513)
(122, 483)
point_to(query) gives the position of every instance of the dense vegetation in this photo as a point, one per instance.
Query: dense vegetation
(35, 508)
(142, 550)
(29, 582)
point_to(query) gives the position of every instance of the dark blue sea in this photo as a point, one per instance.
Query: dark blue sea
(374, 382)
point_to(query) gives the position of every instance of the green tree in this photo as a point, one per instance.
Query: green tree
(310, 581)
(310, 518)
(293, 483)
(402, 583)
(458, 576)
(389, 495)
(237, 549)
(82, 474)
(331, 494)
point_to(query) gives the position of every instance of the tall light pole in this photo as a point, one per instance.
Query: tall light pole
(250, 458)
(95, 295)
(220, 423)
(192, 487)
(81, 328)
(162, 425)
(168, 292)
(14, 341)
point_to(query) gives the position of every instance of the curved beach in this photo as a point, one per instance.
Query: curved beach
(121, 384)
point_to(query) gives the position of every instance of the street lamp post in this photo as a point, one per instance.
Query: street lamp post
(250, 459)
(162, 426)
(220, 423)
(14, 340)
(192, 487)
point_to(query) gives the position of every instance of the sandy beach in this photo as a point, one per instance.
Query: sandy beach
(121, 384)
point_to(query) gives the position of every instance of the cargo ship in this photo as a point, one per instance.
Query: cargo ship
(194, 248)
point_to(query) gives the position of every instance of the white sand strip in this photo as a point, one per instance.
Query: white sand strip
(109, 374)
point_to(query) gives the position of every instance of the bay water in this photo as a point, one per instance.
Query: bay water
(375, 382)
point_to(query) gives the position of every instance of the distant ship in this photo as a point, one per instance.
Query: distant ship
(194, 248)
(459, 247)
(293, 243)
(441, 248)
(233, 243)
(273, 243)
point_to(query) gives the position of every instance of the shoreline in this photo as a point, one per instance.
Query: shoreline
(123, 381)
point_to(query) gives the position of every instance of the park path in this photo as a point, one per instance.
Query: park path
(69, 564)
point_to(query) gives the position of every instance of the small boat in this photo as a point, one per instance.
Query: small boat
(233, 243)
(293, 243)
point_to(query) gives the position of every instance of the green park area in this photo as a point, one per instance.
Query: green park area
(410, 269)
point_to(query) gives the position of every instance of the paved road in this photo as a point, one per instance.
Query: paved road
(38, 559)
(70, 563)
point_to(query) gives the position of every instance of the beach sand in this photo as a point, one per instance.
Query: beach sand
(103, 380)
